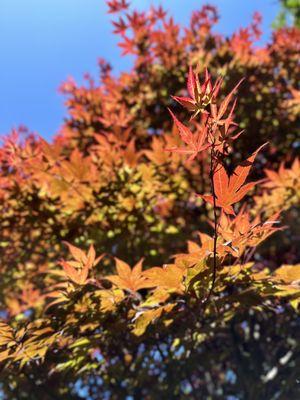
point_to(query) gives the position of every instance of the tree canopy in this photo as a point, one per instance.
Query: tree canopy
(151, 253)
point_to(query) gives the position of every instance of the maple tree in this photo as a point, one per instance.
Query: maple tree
(135, 259)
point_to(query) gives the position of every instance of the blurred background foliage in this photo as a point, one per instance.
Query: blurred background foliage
(106, 180)
(289, 14)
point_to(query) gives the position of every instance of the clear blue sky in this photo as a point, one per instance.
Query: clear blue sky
(42, 42)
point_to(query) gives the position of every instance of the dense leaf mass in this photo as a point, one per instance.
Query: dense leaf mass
(136, 257)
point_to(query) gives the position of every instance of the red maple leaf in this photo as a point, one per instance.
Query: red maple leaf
(200, 95)
(116, 6)
(230, 190)
(196, 142)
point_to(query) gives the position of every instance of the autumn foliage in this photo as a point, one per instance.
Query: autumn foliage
(151, 249)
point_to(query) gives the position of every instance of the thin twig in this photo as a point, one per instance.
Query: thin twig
(211, 174)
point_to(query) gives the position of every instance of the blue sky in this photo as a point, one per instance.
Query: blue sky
(42, 42)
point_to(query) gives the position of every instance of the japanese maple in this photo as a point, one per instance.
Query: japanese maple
(141, 245)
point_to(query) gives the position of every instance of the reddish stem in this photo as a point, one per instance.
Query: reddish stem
(211, 174)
